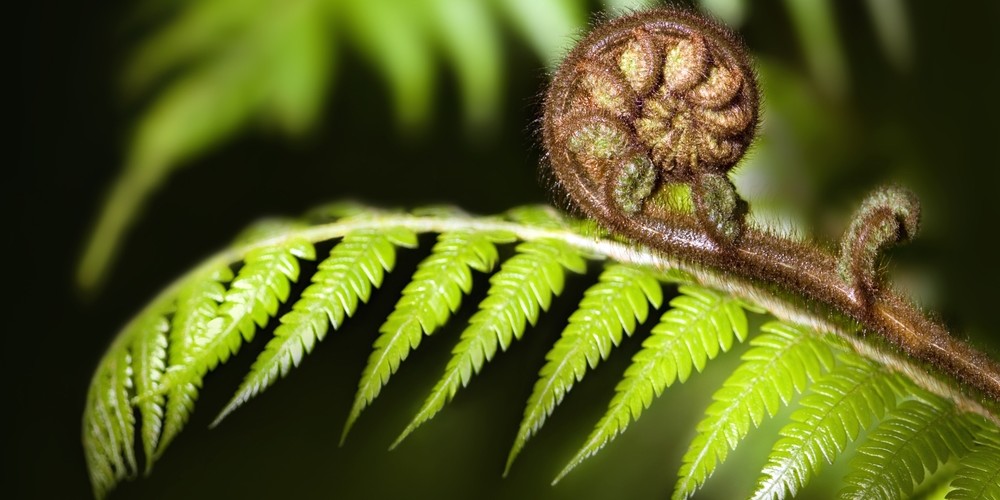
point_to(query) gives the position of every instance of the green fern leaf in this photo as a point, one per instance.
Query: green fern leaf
(522, 288)
(700, 325)
(831, 414)
(978, 476)
(354, 266)
(783, 361)
(132, 395)
(149, 356)
(615, 304)
(919, 434)
(252, 299)
(427, 303)
(197, 304)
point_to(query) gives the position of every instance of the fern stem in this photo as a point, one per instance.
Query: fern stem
(794, 281)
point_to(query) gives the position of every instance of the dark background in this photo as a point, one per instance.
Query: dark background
(933, 128)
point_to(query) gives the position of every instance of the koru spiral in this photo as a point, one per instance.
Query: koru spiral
(651, 100)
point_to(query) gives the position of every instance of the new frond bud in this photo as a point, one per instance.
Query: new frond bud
(887, 217)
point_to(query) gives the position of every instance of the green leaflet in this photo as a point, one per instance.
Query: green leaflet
(548, 26)
(405, 58)
(814, 24)
(700, 325)
(524, 285)
(250, 302)
(108, 423)
(354, 266)
(918, 434)
(428, 301)
(784, 360)
(149, 355)
(832, 413)
(615, 304)
(978, 476)
(197, 304)
(471, 40)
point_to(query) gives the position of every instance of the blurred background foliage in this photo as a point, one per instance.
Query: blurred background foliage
(275, 106)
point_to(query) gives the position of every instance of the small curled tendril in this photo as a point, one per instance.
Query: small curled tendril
(666, 100)
(888, 216)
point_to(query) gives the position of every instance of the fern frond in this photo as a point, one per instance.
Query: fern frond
(354, 266)
(783, 361)
(197, 305)
(251, 300)
(209, 321)
(522, 288)
(978, 476)
(428, 301)
(615, 304)
(919, 434)
(700, 325)
(832, 413)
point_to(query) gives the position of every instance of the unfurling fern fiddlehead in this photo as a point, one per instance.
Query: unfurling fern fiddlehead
(665, 100)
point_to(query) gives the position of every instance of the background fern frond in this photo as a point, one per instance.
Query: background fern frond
(699, 325)
(524, 286)
(251, 300)
(978, 476)
(271, 62)
(784, 360)
(355, 265)
(615, 304)
(428, 301)
(918, 435)
(834, 411)
(547, 26)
